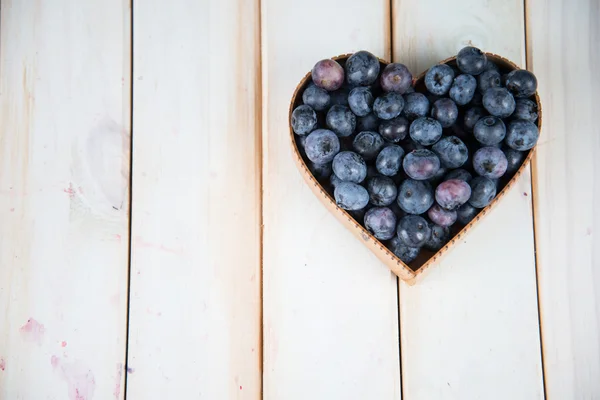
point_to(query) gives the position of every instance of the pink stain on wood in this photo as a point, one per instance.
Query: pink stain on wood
(12, 209)
(240, 387)
(80, 379)
(63, 344)
(2, 364)
(140, 242)
(70, 190)
(32, 331)
(130, 370)
(117, 391)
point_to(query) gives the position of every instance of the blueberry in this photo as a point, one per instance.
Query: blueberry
(396, 78)
(490, 162)
(369, 122)
(483, 191)
(472, 115)
(415, 197)
(304, 120)
(402, 251)
(361, 101)
(362, 68)
(381, 222)
(413, 230)
(488, 79)
(445, 111)
(328, 74)
(521, 83)
(409, 145)
(320, 171)
(452, 193)
(438, 79)
(452, 152)
(489, 130)
(425, 131)
(389, 160)
(388, 105)
(463, 88)
(521, 135)
(421, 164)
(341, 120)
(440, 235)
(526, 110)
(316, 97)
(340, 97)
(350, 167)
(321, 146)
(440, 216)
(459, 173)
(382, 190)
(466, 213)
(499, 102)
(416, 105)
(351, 196)
(471, 60)
(514, 159)
(368, 144)
(394, 130)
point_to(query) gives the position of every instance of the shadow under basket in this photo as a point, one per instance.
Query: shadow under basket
(413, 270)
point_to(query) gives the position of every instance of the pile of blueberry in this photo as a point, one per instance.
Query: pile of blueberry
(415, 164)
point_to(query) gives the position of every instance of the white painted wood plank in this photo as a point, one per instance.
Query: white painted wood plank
(563, 46)
(470, 326)
(195, 299)
(64, 193)
(330, 307)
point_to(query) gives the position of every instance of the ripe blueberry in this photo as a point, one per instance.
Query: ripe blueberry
(521, 83)
(415, 197)
(351, 196)
(416, 105)
(499, 102)
(451, 151)
(381, 222)
(425, 131)
(403, 252)
(483, 191)
(445, 111)
(362, 68)
(488, 79)
(368, 144)
(440, 216)
(489, 130)
(421, 164)
(389, 160)
(321, 146)
(463, 88)
(466, 213)
(438, 79)
(388, 105)
(341, 120)
(413, 230)
(522, 135)
(490, 162)
(382, 190)
(304, 120)
(350, 167)
(316, 97)
(361, 101)
(452, 193)
(471, 60)
(526, 110)
(394, 130)
(439, 237)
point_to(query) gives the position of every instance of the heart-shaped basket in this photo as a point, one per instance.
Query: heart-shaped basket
(424, 261)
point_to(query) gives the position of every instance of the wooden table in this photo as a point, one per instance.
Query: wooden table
(157, 242)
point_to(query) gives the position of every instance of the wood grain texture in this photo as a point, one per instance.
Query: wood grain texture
(64, 193)
(563, 39)
(195, 278)
(330, 307)
(470, 325)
